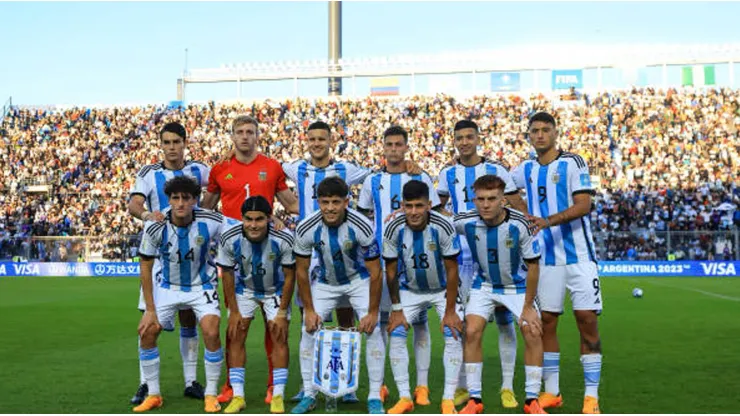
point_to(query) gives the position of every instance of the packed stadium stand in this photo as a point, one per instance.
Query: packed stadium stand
(662, 160)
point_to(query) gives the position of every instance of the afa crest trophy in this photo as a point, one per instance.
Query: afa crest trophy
(336, 362)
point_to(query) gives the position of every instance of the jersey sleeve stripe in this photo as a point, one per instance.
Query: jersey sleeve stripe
(393, 226)
(360, 222)
(308, 224)
(286, 238)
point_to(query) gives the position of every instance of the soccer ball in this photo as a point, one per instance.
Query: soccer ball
(637, 292)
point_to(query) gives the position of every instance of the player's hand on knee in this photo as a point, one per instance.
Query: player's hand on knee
(368, 323)
(311, 321)
(280, 329)
(530, 319)
(235, 325)
(452, 321)
(149, 323)
(397, 318)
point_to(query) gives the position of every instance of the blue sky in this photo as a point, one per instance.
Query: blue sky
(87, 53)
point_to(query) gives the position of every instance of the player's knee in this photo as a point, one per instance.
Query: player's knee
(531, 337)
(473, 334)
(210, 331)
(586, 318)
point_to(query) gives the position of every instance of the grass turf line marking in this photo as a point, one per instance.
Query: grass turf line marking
(703, 292)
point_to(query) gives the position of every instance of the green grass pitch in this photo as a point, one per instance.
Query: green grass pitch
(69, 346)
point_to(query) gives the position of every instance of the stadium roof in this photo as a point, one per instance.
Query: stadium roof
(513, 58)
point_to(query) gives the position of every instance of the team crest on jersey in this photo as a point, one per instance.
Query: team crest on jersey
(263, 175)
(199, 240)
(347, 245)
(272, 256)
(556, 178)
(509, 241)
(432, 246)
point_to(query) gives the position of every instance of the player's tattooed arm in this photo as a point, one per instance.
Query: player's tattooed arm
(149, 319)
(281, 320)
(138, 210)
(369, 321)
(391, 274)
(310, 318)
(451, 319)
(287, 199)
(529, 313)
(210, 200)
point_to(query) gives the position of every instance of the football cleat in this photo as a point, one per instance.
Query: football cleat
(195, 390)
(140, 394)
(421, 396)
(151, 402)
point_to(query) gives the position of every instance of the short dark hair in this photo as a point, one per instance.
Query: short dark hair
(182, 184)
(466, 124)
(544, 117)
(319, 125)
(174, 127)
(332, 186)
(414, 190)
(257, 203)
(489, 182)
(396, 131)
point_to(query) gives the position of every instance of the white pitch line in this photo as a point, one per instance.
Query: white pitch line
(703, 292)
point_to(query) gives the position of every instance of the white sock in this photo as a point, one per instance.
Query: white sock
(422, 353)
(213, 360)
(591, 373)
(474, 372)
(551, 372)
(533, 381)
(386, 343)
(453, 358)
(149, 363)
(375, 359)
(189, 354)
(279, 380)
(236, 379)
(399, 355)
(507, 351)
(306, 356)
(142, 379)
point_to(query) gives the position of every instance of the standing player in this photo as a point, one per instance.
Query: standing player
(425, 246)
(149, 190)
(349, 269)
(247, 173)
(181, 241)
(558, 187)
(456, 185)
(501, 242)
(380, 196)
(256, 253)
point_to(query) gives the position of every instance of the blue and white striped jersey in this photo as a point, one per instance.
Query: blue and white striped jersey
(342, 250)
(420, 253)
(499, 251)
(550, 190)
(258, 265)
(308, 177)
(382, 193)
(456, 181)
(184, 251)
(151, 179)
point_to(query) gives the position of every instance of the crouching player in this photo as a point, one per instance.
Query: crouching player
(426, 246)
(181, 241)
(500, 241)
(254, 253)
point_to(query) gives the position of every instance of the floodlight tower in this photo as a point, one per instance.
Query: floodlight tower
(335, 45)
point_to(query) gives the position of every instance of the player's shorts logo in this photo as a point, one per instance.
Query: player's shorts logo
(263, 176)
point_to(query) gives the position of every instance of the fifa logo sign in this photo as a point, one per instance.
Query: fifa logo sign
(566, 79)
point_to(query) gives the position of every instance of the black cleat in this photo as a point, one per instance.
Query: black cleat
(140, 395)
(195, 390)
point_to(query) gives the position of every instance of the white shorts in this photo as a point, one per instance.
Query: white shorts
(313, 278)
(327, 298)
(483, 302)
(203, 302)
(248, 304)
(415, 304)
(581, 280)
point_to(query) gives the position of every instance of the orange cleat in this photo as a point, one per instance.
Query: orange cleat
(384, 393)
(268, 395)
(212, 405)
(151, 402)
(227, 393)
(472, 408)
(534, 408)
(405, 405)
(448, 407)
(591, 406)
(421, 396)
(548, 400)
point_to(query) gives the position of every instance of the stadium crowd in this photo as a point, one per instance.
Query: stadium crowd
(663, 160)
